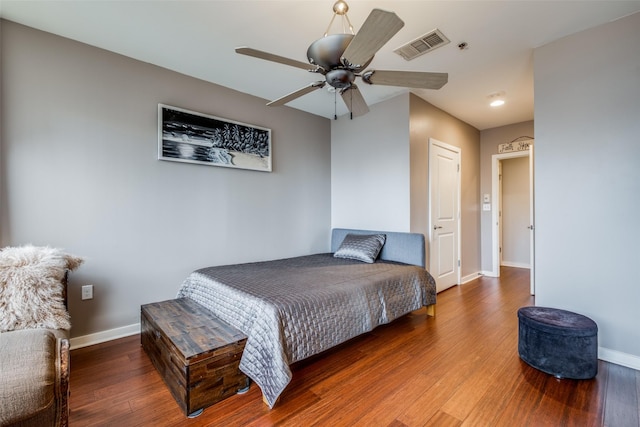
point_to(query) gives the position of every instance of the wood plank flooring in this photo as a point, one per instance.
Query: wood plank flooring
(460, 368)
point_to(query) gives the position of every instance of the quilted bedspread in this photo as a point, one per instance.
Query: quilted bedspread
(293, 308)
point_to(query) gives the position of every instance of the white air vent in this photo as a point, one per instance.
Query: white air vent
(426, 43)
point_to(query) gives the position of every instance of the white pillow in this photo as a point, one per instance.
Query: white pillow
(31, 289)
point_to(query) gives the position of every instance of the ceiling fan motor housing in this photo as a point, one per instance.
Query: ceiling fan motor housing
(327, 52)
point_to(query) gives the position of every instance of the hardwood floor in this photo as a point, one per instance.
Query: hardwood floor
(460, 368)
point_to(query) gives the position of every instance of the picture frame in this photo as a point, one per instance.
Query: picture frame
(191, 137)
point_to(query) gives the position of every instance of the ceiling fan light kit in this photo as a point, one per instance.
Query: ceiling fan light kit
(341, 58)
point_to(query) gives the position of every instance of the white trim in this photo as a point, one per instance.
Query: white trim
(469, 277)
(515, 264)
(100, 337)
(619, 358)
(532, 219)
(488, 273)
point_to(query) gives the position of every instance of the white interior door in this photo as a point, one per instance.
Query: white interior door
(444, 197)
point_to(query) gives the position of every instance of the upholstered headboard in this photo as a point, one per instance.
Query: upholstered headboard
(408, 248)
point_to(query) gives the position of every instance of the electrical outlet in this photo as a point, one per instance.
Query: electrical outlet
(87, 292)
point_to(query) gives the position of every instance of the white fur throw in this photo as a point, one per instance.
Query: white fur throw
(31, 290)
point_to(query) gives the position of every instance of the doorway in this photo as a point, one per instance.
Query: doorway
(444, 214)
(513, 230)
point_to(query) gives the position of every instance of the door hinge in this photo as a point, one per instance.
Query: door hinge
(458, 167)
(458, 263)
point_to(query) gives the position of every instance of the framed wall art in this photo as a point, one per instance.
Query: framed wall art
(191, 137)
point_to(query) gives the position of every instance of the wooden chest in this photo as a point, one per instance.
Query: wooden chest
(196, 353)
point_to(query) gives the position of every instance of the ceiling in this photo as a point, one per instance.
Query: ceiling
(198, 38)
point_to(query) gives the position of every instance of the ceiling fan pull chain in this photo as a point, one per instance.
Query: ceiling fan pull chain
(335, 106)
(351, 107)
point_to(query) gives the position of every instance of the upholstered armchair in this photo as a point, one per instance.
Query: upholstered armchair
(34, 336)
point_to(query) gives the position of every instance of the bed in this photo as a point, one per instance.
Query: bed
(293, 308)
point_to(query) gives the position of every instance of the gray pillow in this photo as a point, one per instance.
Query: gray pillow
(361, 247)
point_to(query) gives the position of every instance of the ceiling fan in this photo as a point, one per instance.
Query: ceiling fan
(341, 58)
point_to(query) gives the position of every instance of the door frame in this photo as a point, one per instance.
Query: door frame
(495, 207)
(458, 151)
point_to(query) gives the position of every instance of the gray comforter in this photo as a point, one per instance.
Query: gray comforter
(294, 308)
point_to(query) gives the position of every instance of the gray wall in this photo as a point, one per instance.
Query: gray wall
(428, 121)
(370, 168)
(587, 179)
(80, 172)
(489, 141)
(379, 172)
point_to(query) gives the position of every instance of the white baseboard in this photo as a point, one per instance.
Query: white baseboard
(516, 264)
(489, 273)
(469, 277)
(619, 358)
(100, 337)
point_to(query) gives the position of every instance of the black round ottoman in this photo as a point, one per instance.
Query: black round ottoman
(558, 342)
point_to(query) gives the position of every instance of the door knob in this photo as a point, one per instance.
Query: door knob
(435, 227)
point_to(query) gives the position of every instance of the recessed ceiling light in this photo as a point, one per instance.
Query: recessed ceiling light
(496, 99)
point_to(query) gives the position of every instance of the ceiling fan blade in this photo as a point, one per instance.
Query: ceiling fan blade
(354, 100)
(297, 94)
(274, 58)
(379, 27)
(413, 79)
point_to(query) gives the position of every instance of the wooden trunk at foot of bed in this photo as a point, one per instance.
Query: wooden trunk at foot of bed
(196, 353)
